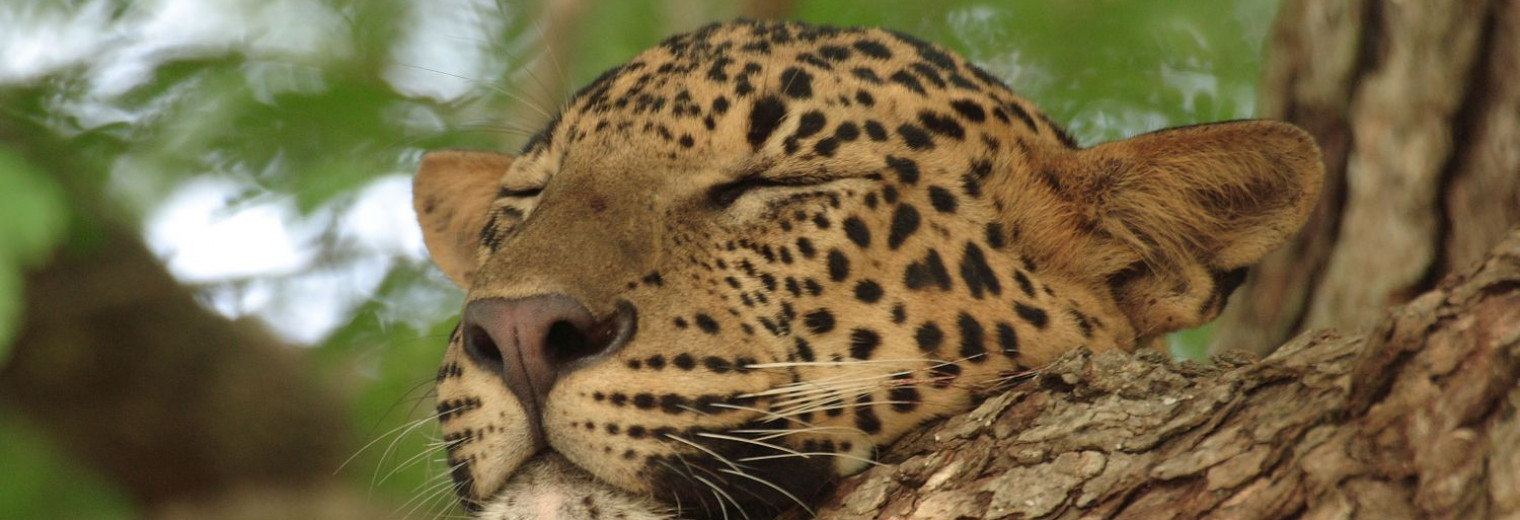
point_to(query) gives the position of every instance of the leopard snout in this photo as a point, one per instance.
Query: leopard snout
(530, 342)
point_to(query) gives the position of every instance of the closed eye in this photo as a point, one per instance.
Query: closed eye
(724, 195)
(522, 193)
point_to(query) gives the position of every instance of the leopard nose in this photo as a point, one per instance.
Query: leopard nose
(531, 342)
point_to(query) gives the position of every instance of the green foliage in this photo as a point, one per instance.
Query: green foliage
(33, 217)
(41, 483)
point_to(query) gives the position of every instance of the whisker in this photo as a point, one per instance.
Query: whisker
(778, 489)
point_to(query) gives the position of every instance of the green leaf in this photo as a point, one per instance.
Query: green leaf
(33, 218)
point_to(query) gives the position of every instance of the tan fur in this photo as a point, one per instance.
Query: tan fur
(451, 194)
(1177, 205)
(829, 238)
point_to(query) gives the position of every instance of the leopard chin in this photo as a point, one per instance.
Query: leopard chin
(548, 487)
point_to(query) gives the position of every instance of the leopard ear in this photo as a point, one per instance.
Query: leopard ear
(1170, 220)
(452, 195)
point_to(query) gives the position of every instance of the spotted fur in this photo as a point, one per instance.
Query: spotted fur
(825, 238)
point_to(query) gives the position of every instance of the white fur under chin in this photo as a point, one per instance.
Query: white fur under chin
(550, 488)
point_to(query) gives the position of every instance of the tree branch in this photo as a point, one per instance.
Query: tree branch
(1416, 419)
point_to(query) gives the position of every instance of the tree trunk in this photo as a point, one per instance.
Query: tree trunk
(127, 371)
(1416, 105)
(193, 415)
(1416, 419)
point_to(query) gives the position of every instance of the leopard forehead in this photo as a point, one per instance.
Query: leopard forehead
(717, 96)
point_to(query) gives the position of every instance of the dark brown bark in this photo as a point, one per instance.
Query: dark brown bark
(133, 376)
(1416, 419)
(1417, 108)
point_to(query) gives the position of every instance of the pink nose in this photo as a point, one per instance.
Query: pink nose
(530, 342)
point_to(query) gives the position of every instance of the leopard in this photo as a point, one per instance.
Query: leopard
(734, 269)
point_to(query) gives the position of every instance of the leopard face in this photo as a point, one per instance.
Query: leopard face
(736, 266)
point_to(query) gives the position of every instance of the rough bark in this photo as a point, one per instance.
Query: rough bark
(1416, 105)
(1416, 419)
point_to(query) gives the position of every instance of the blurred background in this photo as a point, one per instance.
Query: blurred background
(214, 302)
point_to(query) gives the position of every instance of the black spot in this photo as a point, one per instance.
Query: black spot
(1008, 339)
(941, 124)
(673, 403)
(769, 281)
(834, 52)
(875, 131)
(995, 235)
(927, 72)
(1033, 315)
(942, 200)
(866, 75)
(1023, 115)
(839, 265)
(945, 374)
(720, 105)
(873, 49)
(899, 314)
(763, 118)
(864, 98)
(821, 221)
(973, 338)
(706, 323)
(636, 432)
(1024, 283)
(914, 136)
(653, 279)
(804, 350)
(977, 274)
(863, 342)
(680, 322)
(813, 289)
(793, 287)
(907, 170)
(717, 365)
(1083, 323)
(805, 247)
(865, 416)
(971, 185)
(868, 291)
(797, 83)
(644, 401)
(907, 79)
(655, 362)
(819, 321)
(931, 54)
(930, 270)
(826, 146)
(686, 141)
(904, 223)
(969, 109)
(904, 398)
(857, 232)
(889, 194)
(684, 361)
(929, 337)
(810, 123)
(847, 132)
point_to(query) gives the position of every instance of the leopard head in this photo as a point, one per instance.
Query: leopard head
(736, 266)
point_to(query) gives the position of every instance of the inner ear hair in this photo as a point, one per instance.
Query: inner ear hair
(452, 196)
(1169, 219)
